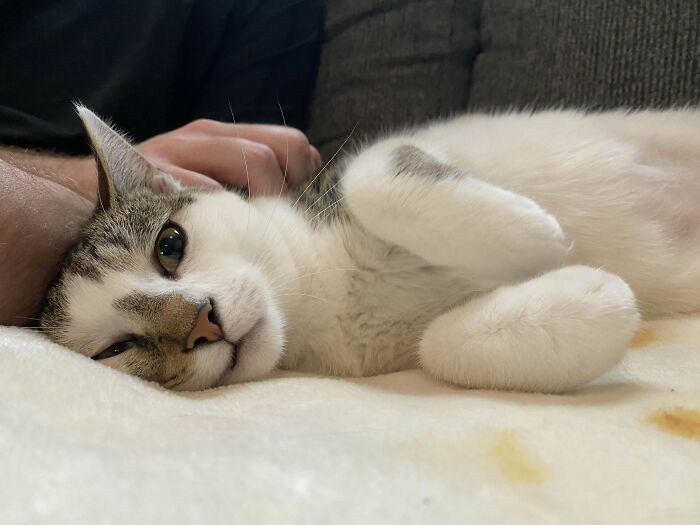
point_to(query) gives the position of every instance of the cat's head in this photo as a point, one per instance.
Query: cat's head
(168, 284)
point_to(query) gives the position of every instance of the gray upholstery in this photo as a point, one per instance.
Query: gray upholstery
(593, 53)
(391, 63)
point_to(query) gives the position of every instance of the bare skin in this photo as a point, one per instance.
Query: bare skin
(45, 198)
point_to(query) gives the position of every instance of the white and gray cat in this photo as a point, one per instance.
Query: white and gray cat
(491, 251)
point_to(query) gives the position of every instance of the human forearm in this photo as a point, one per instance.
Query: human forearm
(75, 173)
(39, 220)
(202, 153)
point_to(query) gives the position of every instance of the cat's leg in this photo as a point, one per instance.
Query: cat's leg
(552, 333)
(405, 196)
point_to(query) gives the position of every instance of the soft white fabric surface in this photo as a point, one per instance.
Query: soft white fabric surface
(80, 443)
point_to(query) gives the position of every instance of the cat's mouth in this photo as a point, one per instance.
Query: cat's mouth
(238, 345)
(234, 355)
(236, 348)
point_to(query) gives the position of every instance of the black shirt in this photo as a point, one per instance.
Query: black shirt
(152, 65)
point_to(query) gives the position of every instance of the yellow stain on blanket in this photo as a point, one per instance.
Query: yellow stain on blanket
(644, 337)
(515, 461)
(679, 421)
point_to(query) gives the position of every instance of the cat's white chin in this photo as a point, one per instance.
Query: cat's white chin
(258, 352)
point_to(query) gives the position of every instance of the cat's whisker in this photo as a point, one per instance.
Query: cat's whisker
(326, 270)
(274, 282)
(284, 177)
(262, 259)
(323, 195)
(332, 205)
(23, 317)
(332, 208)
(300, 294)
(326, 165)
(282, 273)
(245, 163)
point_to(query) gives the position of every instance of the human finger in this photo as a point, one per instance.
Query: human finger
(237, 162)
(290, 146)
(191, 178)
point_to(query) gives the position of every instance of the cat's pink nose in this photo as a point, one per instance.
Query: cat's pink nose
(205, 328)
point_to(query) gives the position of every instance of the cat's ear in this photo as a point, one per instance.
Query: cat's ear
(121, 169)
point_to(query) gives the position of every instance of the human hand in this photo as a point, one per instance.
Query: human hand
(259, 157)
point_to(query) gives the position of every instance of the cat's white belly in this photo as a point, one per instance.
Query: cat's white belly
(625, 190)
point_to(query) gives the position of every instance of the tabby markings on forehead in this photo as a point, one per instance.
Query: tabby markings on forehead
(109, 238)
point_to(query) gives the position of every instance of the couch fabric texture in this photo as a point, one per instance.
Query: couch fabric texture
(388, 64)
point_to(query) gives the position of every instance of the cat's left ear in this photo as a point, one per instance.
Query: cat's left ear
(121, 169)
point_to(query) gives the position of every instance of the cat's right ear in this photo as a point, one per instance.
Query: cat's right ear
(121, 169)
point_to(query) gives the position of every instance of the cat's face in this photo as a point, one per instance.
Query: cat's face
(174, 287)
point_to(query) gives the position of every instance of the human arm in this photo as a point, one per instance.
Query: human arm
(202, 153)
(39, 220)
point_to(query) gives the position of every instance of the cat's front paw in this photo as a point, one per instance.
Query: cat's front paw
(532, 240)
(412, 199)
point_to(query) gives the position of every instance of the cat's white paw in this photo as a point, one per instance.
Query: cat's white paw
(553, 333)
(409, 198)
(531, 240)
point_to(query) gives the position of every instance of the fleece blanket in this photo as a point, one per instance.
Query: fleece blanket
(81, 443)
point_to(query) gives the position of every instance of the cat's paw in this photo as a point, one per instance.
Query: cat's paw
(410, 198)
(553, 333)
(528, 240)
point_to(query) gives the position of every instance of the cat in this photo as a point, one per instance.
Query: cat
(513, 251)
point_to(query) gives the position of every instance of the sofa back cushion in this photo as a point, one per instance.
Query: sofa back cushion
(587, 53)
(391, 63)
(386, 64)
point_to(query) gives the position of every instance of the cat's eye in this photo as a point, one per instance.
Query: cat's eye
(115, 350)
(170, 248)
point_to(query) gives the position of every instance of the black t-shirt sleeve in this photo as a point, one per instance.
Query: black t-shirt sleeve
(150, 65)
(117, 57)
(268, 57)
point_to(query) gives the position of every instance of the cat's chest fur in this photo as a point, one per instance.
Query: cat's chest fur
(361, 304)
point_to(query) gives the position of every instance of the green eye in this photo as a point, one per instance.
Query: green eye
(170, 247)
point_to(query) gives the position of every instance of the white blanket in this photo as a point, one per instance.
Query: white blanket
(81, 443)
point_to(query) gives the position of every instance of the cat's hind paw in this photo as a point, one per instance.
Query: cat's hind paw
(553, 333)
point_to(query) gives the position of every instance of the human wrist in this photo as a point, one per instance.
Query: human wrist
(39, 220)
(78, 174)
